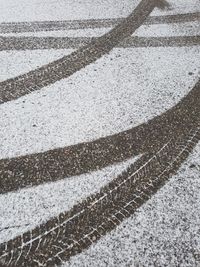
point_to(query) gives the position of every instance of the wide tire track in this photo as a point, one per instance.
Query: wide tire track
(34, 43)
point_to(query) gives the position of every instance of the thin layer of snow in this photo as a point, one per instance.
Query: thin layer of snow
(178, 7)
(25, 209)
(34, 10)
(163, 232)
(31, 10)
(64, 33)
(165, 30)
(119, 91)
(14, 63)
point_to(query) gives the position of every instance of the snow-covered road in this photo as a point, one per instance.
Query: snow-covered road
(124, 88)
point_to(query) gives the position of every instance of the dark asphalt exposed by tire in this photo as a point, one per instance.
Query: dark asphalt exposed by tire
(34, 43)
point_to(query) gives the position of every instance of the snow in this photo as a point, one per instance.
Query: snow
(163, 232)
(25, 209)
(63, 10)
(117, 92)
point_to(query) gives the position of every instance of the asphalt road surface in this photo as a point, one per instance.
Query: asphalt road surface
(99, 133)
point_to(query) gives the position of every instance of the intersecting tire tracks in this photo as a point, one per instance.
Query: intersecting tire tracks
(22, 166)
(36, 26)
(65, 162)
(56, 240)
(64, 67)
(69, 233)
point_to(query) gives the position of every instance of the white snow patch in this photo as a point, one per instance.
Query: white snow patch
(14, 63)
(37, 10)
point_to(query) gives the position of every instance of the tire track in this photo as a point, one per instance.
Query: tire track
(61, 163)
(175, 41)
(34, 43)
(35, 26)
(71, 232)
(167, 140)
(64, 67)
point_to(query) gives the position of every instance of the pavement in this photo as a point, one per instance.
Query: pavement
(100, 128)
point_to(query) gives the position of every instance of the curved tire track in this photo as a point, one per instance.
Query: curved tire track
(34, 43)
(62, 68)
(35, 26)
(60, 163)
(175, 134)
(71, 232)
